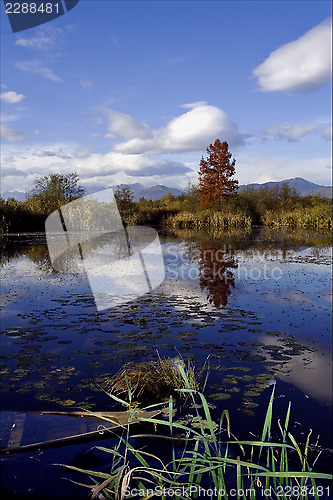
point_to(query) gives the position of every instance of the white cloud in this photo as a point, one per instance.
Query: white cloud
(36, 66)
(146, 155)
(298, 66)
(41, 42)
(45, 38)
(188, 134)
(290, 131)
(124, 125)
(11, 172)
(11, 135)
(12, 97)
(105, 136)
(191, 131)
(8, 133)
(5, 117)
(96, 168)
(82, 152)
(131, 164)
(327, 134)
(42, 152)
(113, 42)
(112, 168)
(86, 84)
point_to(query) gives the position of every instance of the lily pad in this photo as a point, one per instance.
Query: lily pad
(219, 396)
(67, 402)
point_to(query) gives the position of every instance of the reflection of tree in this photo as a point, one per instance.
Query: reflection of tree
(32, 246)
(99, 250)
(263, 241)
(109, 247)
(40, 256)
(216, 275)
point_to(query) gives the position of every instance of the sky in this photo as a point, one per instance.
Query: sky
(135, 91)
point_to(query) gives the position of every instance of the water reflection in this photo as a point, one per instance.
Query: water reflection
(54, 343)
(216, 275)
(309, 369)
(32, 246)
(261, 240)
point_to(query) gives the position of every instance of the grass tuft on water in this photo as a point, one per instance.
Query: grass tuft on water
(152, 381)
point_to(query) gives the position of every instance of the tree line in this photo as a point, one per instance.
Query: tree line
(214, 203)
(48, 194)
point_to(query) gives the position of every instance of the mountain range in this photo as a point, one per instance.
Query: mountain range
(150, 193)
(302, 187)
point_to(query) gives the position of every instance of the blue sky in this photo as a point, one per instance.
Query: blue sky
(135, 91)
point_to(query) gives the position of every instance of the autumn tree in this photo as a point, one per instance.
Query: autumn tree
(215, 175)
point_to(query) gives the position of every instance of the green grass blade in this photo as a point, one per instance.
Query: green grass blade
(208, 418)
(294, 474)
(266, 432)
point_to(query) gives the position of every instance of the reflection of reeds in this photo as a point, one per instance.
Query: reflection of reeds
(152, 381)
(212, 233)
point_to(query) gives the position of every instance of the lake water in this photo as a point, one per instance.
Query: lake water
(256, 308)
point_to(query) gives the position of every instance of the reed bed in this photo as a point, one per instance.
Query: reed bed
(209, 219)
(207, 461)
(318, 217)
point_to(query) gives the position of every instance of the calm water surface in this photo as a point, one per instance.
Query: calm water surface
(257, 306)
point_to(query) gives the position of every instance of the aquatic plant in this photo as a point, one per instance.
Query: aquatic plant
(205, 464)
(152, 381)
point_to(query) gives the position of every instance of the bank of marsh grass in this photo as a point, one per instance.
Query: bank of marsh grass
(209, 219)
(317, 217)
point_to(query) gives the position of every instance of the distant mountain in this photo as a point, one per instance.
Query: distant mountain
(302, 187)
(325, 191)
(139, 190)
(136, 188)
(18, 195)
(150, 193)
(156, 192)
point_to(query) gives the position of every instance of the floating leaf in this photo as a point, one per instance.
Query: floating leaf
(220, 396)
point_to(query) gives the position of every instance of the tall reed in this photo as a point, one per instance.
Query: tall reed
(203, 465)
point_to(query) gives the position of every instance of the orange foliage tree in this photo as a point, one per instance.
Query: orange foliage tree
(215, 175)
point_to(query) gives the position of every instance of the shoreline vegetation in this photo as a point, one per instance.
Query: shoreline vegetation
(269, 207)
